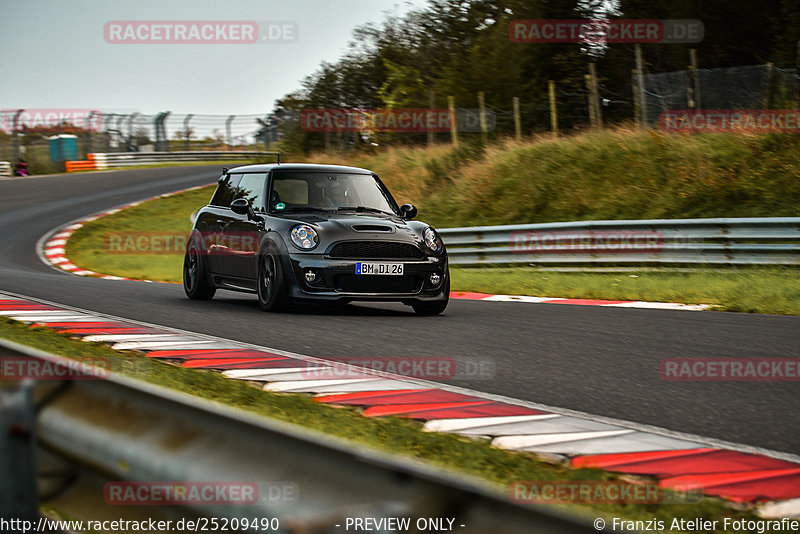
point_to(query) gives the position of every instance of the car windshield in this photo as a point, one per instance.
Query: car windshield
(329, 191)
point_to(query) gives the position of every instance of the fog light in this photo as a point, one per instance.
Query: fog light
(310, 276)
(435, 278)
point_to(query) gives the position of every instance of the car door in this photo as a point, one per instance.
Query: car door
(219, 217)
(242, 234)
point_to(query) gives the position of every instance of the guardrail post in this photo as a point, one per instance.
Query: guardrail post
(18, 488)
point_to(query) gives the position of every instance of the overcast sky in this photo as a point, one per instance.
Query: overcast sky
(56, 55)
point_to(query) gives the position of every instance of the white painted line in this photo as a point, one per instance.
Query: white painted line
(517, 298)
(560, 425)
(135, 337)
(311, 385)
(253, 374)
(456, 425)
(659, 306)
(158, 345)
(369, 386)
(54, 242)
(531, 442)
(47, 318)
(623, 443)
(34, 312)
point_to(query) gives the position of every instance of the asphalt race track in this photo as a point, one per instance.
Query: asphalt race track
(603, 361)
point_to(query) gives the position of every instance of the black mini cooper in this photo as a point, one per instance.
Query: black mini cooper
(303, 232)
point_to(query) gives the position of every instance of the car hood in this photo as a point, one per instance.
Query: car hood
(366, 225)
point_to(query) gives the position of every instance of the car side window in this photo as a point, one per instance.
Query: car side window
(252, 187)
(225, 190)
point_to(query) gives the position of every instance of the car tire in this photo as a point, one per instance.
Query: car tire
(195, 278)
(435, 307)
(271, 283)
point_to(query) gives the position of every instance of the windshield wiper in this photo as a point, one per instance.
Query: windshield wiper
(365, 208)
(300, 209)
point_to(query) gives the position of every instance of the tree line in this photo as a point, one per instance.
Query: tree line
(459, 48)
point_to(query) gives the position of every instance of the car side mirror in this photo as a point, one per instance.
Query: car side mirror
(408, 211)
(241, 206)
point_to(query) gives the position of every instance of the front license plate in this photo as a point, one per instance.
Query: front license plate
(392, 269)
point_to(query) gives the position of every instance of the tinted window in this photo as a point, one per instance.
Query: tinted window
(224, 194)
(251, 187)
(328, 191)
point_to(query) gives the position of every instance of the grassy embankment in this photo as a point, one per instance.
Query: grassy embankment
(605, 175)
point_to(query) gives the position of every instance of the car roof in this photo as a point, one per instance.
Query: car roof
(307, 167)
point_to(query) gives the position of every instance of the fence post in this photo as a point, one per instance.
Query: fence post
(640, 82)
(587, 78)
(594, 91)
(15, 134)
(451, 104)
(131, 118)
(484, 125)
(517, 121)
(693, 90)
(431, 106)
(186, 130)
(228, 122)
(88, 147)
(637, 106)
(551, 92)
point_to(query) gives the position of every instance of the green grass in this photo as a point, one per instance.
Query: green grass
(395, 435)
(93, 246)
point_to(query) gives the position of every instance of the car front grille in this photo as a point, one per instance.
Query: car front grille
(376, 250)
(352, 283)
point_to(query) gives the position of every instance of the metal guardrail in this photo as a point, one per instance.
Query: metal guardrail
(122, 429)
(742, 241)
(5, 168)
(110, 160)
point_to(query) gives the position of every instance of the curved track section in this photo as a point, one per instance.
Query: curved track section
(598, 360)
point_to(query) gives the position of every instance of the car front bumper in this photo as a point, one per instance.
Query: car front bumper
(336, 280)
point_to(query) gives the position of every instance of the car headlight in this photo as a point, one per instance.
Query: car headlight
(304, 237)
(432, 240)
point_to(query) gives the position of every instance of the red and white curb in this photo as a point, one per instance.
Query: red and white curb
(768, 480)
(51, 247)
(467, 295)
(51, 250)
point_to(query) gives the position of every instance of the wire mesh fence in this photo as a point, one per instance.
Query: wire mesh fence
(733, 88)
(29, 134)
